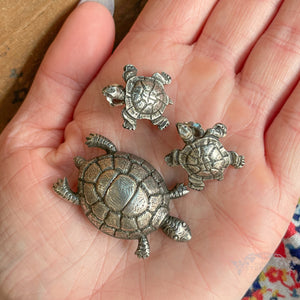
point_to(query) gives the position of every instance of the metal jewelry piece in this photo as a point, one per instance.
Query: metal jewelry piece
(124, 196)
(203, 156)
(144, 97)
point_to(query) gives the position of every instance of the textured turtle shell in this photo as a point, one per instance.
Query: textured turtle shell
(145, 98)
(123, 195)
(206, 158)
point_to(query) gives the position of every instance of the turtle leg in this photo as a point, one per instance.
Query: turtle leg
(99, 141)
(176, 229)
(163, 77)
(129, 72)
(172, 159)
(62, 188)
(237, 161)
(161, 122)
(196, 183)
(143, 249)
(129, 122)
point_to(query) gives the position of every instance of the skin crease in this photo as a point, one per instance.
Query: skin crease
(235, 62)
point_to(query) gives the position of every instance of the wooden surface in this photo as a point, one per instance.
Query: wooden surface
(27, 30)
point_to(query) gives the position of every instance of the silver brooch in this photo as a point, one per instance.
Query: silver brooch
(203, 156)
(124, 196)
(144, 97)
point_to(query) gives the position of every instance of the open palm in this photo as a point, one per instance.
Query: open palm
(235, 62)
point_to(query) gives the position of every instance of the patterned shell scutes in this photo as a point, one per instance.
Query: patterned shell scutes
(206, 157)
(145, 98)
(123, 195)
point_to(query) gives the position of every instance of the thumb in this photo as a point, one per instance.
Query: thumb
(74, 58)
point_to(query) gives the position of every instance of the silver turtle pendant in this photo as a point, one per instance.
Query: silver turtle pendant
(144, 97)
(203, 156)
(124, 196)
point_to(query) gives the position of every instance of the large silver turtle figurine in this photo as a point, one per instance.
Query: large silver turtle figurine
(144, 97)
(124, 196)
(203, 156)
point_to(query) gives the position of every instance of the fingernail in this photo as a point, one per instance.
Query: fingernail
(109, 4)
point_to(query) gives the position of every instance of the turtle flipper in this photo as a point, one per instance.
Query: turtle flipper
(163, 77)
(62, 188)
(143, 249)
(99, 141)
(176, 229)
(238, 161)
(161, 122)
(129, 122)
(129, 72)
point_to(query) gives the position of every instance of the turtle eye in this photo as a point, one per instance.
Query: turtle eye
(175, 237)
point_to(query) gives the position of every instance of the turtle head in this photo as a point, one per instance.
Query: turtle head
(176, 229)
(219, 130)
(189, 131)
(182, 233)
(115, 94)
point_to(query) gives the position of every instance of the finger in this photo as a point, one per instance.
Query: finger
(282, 144)
(233, 28)
(177, 21)
(79, 50)
(273, 66)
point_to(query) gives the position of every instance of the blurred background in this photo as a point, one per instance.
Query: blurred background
(27, 30)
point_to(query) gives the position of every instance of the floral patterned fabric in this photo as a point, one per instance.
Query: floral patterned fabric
(280, 279)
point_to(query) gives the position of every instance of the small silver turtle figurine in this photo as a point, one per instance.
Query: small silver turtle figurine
(203, 157)
(124, 196)
(144, 97)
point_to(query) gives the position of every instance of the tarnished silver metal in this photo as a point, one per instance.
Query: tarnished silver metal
(144, 97)
(124, 196)
(203, 156)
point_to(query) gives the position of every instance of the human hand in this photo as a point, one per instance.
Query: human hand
(235, 62)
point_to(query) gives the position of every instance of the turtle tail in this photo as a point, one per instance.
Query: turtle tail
(178, 191)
